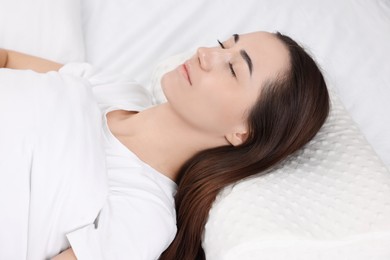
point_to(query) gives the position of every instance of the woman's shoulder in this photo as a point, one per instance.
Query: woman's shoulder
(141, 214)
(138, 219)
(127, 226)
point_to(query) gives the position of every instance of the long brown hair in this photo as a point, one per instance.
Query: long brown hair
(290, 111)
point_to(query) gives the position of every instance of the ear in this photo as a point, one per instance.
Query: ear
(236, 138)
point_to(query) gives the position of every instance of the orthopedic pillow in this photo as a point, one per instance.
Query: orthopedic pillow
(328, 201)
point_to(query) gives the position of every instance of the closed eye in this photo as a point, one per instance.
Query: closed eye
(221, 44)
(230, 65)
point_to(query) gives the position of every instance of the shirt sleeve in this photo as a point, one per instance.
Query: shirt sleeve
(132, 226)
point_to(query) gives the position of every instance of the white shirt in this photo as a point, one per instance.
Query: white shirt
(138, 220)
(53, 177)
(61, 167)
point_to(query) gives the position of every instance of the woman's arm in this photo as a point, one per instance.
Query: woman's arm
(16, 60)
(66, 255)
(3, 58)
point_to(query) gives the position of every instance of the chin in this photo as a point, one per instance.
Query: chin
(166, 82)
(172, 85)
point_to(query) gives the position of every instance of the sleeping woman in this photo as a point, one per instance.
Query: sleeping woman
(233, 111)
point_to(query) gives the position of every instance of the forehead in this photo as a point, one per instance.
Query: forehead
(268, 54)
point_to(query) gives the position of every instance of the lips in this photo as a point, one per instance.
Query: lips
(187, 74)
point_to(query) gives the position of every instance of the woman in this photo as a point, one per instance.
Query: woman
(233, 110)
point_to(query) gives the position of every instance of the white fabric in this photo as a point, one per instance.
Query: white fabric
(349, 38)
(52, 168)
(138, 220)
(44, 28)
(330, 200)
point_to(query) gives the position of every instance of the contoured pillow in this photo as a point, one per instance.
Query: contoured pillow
(329, 201)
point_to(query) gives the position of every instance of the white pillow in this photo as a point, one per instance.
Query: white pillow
(46, 28)
(329, 201)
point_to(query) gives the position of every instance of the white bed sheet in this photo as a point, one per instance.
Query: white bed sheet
(348, 38)
(45, 28)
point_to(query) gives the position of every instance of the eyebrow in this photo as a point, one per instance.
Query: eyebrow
(236, 37)
(244, 55)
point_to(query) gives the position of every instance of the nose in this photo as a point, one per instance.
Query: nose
(211, 57)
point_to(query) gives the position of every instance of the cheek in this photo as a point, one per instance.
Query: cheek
(209, 105)
(230, 110)
(224, 108)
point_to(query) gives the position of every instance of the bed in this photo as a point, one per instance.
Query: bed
(331, 200)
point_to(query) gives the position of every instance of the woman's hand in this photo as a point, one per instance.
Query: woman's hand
(3, 58)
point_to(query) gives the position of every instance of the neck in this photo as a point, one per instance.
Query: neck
(160, 138)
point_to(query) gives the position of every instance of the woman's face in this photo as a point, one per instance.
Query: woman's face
(215, 89)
